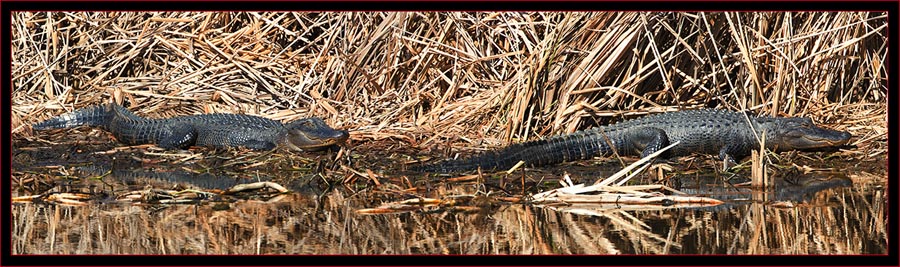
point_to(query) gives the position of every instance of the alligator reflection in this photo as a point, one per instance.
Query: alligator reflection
(158, 185)
(798, 189)
(137, 178)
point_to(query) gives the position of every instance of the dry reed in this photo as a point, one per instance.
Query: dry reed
(460, 77)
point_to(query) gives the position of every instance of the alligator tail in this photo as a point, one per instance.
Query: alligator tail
(578, 146)
(98, 116)
(487, 161)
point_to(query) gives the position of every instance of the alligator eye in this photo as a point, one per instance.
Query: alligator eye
(307, 124)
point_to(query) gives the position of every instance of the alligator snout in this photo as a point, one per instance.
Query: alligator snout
(313, 134)
(821, 138)
(830, 136)
(338, 136)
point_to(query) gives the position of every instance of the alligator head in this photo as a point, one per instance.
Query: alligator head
(783, 134)
(312, 134)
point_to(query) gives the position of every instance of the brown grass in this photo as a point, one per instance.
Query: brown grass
(425, 78)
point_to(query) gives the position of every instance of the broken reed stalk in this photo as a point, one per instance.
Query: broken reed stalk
(612, 179)
(572, 193)
(759, 175)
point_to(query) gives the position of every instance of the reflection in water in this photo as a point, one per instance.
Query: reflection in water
(827, 214)
(736, 192)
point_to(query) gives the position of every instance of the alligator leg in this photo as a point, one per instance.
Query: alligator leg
(653, 140)
(726, 155)
(179, 136)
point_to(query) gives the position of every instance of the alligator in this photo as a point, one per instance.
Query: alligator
(137, 177)
(108, 182)
(800, 188)
(728, 134)
(219, 130)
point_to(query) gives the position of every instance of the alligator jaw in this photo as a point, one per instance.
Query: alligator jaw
(827, 142)
(321, 139)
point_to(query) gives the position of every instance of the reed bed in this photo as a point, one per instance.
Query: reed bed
(470, 79)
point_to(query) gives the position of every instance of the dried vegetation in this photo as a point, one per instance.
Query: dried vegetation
(429, 78)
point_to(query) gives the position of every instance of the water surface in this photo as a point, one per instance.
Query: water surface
(824, 212)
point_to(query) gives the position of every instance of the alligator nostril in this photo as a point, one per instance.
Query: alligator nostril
(845, 136)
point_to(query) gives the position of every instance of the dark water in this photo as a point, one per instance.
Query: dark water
(814, 213)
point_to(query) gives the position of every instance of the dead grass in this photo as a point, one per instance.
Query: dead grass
(428, 78)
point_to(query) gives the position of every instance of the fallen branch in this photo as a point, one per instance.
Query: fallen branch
(255, 186)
